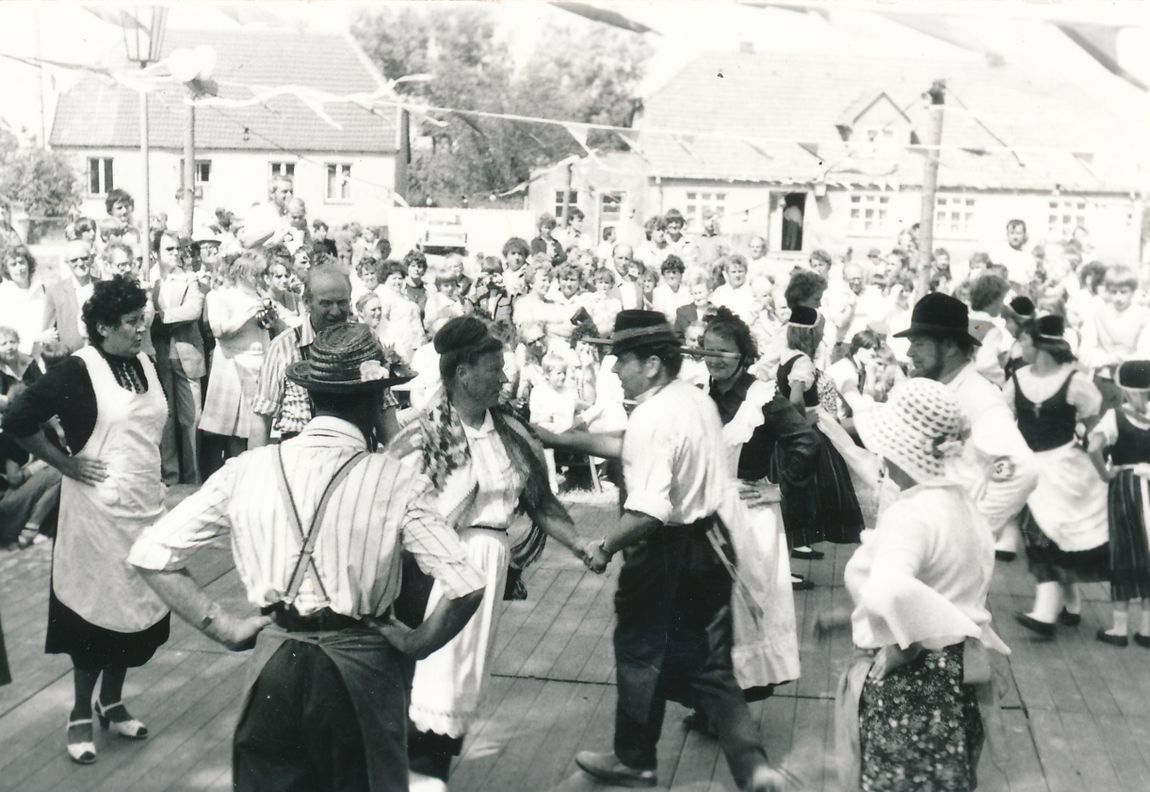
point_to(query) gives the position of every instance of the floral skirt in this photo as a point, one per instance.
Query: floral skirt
(920, 729)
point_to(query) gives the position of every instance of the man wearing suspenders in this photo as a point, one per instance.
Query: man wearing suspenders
(317, 525)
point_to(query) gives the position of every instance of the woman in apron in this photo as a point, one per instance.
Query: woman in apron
(766, 648)
(100, 611)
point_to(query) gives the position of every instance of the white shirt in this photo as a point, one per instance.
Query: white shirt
(382, 506)
(996, 467)
(740, 301)
(674, 462)
(922, 575)
(668, 302)
(499, 485)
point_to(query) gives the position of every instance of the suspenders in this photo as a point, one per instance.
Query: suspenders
(308, 539)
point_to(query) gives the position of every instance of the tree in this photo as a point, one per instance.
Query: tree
(42, 181)
(588, 78)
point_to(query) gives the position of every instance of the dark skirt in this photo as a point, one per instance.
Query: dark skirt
(824, 507)
(92, 647)
(920, 729)
(1129, 549)
(1050, 563)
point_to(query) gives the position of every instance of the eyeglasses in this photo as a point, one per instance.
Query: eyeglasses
(80, 258)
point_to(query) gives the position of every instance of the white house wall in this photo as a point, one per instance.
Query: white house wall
(239, 180)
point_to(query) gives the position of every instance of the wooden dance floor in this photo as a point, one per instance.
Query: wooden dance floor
(1076, 712)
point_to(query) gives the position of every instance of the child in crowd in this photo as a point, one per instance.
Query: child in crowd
(670, 294)
(736, 293)
(445, 302)
(1119, 330)
(552, 406)
(602, 304)
(987, 296)
(1123, 437)
(515, 255)
(404, 326)
(694, 369)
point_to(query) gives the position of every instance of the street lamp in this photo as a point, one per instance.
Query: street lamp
(143, 41)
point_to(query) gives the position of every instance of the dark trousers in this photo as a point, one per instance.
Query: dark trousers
(300, 732)
(673, 642)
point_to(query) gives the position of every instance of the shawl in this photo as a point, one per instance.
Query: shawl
(436, 444)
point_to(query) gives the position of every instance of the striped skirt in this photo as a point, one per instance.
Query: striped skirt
(1129, 542)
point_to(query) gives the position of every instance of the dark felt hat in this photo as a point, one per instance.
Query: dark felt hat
(1023, 307)
(1050, 332)
(939, 314)
(1134, 375)
(345, 358)
(636, 329)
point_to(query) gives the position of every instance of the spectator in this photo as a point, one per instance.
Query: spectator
(23, 299)
(698, 284)
(515, 254)
(546, 243)
(670, 295)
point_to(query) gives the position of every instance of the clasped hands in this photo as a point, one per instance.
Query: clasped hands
(593, 556)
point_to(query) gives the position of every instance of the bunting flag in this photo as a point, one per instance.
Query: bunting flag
(1101, 43)
(944, 29)
(605, 16)
(686, 142)
(114, 16)
(579, 132)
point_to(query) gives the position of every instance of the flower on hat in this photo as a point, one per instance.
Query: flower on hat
(371, 371)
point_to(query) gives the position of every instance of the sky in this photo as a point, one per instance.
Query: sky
(60, 30)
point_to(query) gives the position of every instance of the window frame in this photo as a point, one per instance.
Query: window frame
(340, 169)
(859, 202)
(104, 173)
(946, 207)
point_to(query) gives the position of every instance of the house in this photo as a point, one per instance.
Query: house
(826, 151)
(353, 168)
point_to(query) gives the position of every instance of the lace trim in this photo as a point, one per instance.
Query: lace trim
(749, 416)
(451, 724)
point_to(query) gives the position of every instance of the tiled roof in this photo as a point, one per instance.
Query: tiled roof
(100, 113)
(801, 97)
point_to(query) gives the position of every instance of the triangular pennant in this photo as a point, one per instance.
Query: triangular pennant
(579, 132)
(1100, 43)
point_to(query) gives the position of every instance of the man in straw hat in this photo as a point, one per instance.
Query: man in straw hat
(996, 466)
(673, 638)
(317, 525)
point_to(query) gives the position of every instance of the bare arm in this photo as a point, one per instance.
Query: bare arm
(259, 431)
(449, 617)
(88, 471)
(182, 594)
(608, 445)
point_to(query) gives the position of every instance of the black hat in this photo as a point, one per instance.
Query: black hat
(636, 329)
(1023, 307)
(1050, 331)
(803, 316)
(345, 358)
(465, 334)
(1134, 375)
(939, 314)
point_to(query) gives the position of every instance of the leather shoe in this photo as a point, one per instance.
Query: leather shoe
(1069, 619)
(1005, 555)
(1045, 629)
(607, 767)
(1113, 640)
(1142, 640)
(808, 554)
(800, 583)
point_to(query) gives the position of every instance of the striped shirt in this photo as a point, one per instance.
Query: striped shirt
(381, 507)
(280, 399)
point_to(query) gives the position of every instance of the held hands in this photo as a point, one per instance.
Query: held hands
(86, 471)
(594, 557)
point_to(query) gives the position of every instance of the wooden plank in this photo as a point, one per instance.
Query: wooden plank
(566, 735)
(516, 614)
(697, 763)
(598, 620)
(1121, 741)
(1019, 759)
(514, 655)
(1088, 751)
(1055, 750)
(810, 759)
(503, 723)
(559, 632)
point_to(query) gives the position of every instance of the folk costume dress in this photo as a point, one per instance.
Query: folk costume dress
(240, 348)
(828, 509)
(1127, 438)
(485, 477)
(1066, 525)
(766, 649)
(921, 576)
(100, 610)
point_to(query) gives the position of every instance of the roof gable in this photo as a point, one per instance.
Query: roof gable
(99, 113)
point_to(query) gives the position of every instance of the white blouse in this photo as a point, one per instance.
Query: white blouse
(922, 575)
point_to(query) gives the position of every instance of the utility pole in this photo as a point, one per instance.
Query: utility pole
(937, 95)
(189, 169)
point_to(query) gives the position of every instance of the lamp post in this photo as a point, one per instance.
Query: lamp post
(143, 41)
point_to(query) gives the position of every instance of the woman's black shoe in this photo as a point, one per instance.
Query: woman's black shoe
(800, 583)
(1142, 640)
(1113, 640)
(808, 555)
(1045, 629)
(1069, 619)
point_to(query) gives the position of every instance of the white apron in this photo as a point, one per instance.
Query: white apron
(766, 643)
(98, 524)
(1070, 501)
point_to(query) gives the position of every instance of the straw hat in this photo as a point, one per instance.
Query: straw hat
(345, 358)
(915, 429)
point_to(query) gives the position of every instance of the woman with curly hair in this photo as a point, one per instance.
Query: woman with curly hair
(108, 399)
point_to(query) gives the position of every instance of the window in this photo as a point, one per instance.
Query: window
(704, 204)
(203, 175)
(794, 213)
(338, 182)
(572, 200)
(953, 216)
(1065, 215)
(100, 175)
(869, 213)
(277, 169)
(611, 207)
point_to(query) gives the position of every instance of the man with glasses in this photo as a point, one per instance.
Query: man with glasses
(66, 298)
(179, 358)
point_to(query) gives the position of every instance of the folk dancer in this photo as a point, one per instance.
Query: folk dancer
(317, 524)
